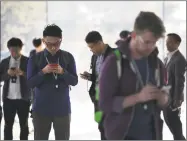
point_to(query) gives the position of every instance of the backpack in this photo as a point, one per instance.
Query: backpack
(99, 114)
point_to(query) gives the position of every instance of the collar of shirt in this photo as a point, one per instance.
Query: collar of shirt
(170, 54)
(13, 59)
(48, 54)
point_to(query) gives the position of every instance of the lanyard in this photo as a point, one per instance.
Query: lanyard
(139, 75)
(55, 75)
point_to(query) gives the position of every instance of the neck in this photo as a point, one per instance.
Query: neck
(172, 50)
(39, 49)
(104, 47)
(134, 54)
(16, 57)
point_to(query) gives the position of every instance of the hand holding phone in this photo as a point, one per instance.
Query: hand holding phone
(85, 75)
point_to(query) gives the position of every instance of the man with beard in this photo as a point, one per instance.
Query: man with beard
(132, 100)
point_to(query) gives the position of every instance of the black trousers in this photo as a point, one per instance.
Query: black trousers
(101, 130)
(0, 114)
(172, 119)
(10, 108)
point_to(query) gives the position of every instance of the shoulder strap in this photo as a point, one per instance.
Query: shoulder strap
(117, 53)
(65, 58)
(38, 58)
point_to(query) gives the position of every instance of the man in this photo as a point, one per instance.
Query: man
(37, 43)
(16, 94)
(123, 36)
(100, 52)
(131, 103)
(175, 64)
(51, 72)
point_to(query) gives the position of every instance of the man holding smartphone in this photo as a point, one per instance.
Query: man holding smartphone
(100, 52)
(16, 94)
(50, 73)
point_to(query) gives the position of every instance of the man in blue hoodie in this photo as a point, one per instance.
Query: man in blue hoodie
(51, 72)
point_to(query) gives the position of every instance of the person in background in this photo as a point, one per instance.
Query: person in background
(16, 93)
(37, 43)
(175, 64)
(51, 72)
(100, 51)
(123, 36)
(133, 100)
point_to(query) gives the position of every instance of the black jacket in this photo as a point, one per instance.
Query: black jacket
(176, 69)
(4, 77)
(93, 75)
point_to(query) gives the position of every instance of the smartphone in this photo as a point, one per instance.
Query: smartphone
(53, 65)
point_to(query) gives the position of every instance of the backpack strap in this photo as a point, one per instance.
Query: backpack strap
(117, 53)
(38, 58)
(65, 58)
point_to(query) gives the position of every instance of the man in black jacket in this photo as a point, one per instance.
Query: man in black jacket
(100, 52)
(175, 64)
(16, 94)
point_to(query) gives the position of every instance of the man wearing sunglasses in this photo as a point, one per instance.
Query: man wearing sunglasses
(132, 102)
(16, 93)
(50, 73)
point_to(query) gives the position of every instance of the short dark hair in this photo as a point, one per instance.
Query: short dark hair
(52, 30)
(93, 37)
(14, 42)
(124, 34)
(175, 36)
(151, 22)
(37, 42)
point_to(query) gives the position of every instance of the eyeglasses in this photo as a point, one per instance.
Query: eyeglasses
(50, 45)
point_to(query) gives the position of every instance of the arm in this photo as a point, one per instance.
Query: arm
(109, 85)
(34, 78)
(179, 78)
(3, 73)
(70, 75)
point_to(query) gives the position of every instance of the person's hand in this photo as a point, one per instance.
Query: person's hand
(176, 104)
(19, 72)
(11, 72)
(47, 69)
(162, 98)
(149, 92)
(85, 75)
(58, 70)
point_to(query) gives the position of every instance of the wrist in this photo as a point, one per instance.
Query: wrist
(43, 71)
(137, 98)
